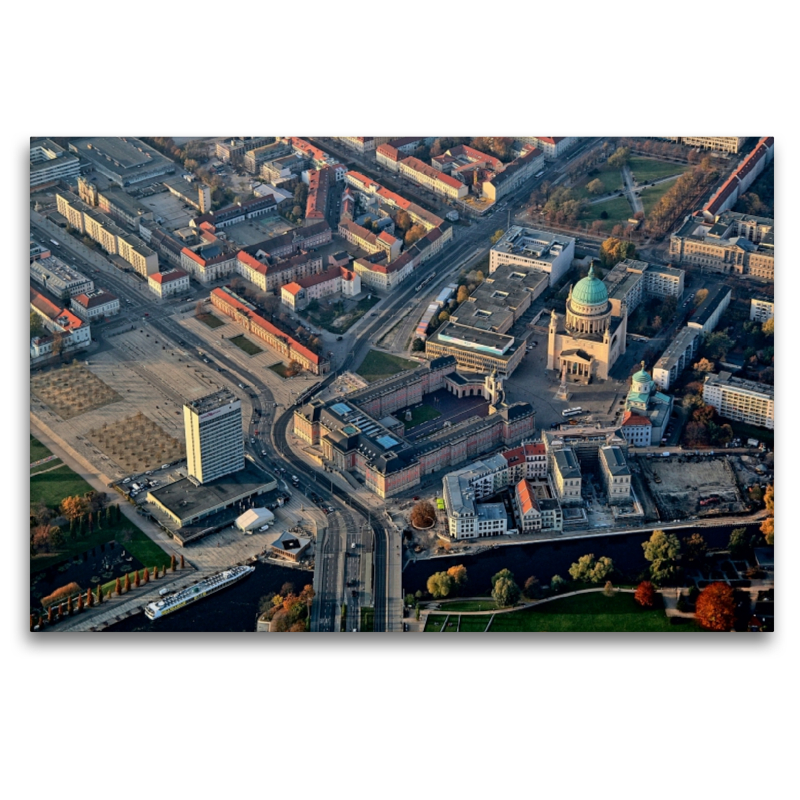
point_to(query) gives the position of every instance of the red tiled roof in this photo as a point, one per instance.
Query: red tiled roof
(416, 165)
(168, 276)
(383, 236)
(550, 139)
(368, 182)
(253, 263)
(66, 319)
(390, 152)
(260, 322)
(537, 449)
(291, 288)
(629, 418)
(98, 299)
(40, 302)
(527, 499)
(726, 190)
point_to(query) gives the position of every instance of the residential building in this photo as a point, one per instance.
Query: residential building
(103, 230)
(586, 343)
(233, 149)
(287, 347)
(722, 144)
(60, 279)
(168, 283)
(239, 212)
(366, 240)
(209, 260)
(632, 281)
(124, 160)
(738, 244)
(298, 294)
(529, 460)
(553, 147)
(740, 400)
(567, 476)
(95, 304)
(283, 169)
(270, 273)
(466, 518)
(65, 331)
(616, 475)
(253, 159)
(543, 251)
(116, 203)
(319, 183)
(214, 436)
(433, 179)
(679, 354)
(529, 517)
(761, 309)
(50, 163)
(513, 175)
(708, 313)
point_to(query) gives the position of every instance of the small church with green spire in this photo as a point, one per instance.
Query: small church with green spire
(645, 401)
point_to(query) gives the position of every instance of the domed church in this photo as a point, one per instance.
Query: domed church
(590, 337)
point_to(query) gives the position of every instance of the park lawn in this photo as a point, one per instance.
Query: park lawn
(653, 194)
(210, 320)
(474, 624)
(243, 343)
(52, 487)
(48, 465)
(452, 624)
(367, 619)
(651, 169)
(135, 541)
(618, 209)
(38, 450)
(470, 605)
(378, 365)
(336, 321)
(434, 623)
(422, 414)
(610, 177)
(590, 612)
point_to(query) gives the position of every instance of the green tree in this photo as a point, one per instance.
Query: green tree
(557, 584)
(768, 328)
(589, 570)
(662, 550)
(716, 345)
(619, 158)
(37, 327)
(440, 584)
(532, 589)
(595, 187)
(496, 236)
(695, 548)
(417, 346)
(505, 592)
(56, 537)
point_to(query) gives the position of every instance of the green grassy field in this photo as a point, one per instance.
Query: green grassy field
(210, 320)
(590, 612)
(245, 344)
(653, 194)
(38, 450)
(46, 467)
(325, 316)
(651, 169)
(469, 605)
(378, 365)
(281, 369)
(618, 210)
(610, 177)
(420, 415)
(52, 487)
(476, 624)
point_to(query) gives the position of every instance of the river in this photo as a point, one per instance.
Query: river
(552, 558)
(233, 609)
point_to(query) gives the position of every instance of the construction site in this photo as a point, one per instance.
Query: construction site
(692, 486)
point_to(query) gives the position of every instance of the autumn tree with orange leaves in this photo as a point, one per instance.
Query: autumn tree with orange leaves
(715, 607)
(645, 594)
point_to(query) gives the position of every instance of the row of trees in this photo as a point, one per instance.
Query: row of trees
(679, 196)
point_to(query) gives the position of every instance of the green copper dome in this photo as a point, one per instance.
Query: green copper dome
(590, 291)
(642, 376)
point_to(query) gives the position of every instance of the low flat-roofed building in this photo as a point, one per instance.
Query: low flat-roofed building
(50, 162)
(254, 518)
(476, 350)
(616, 475)
(761, 309)
(540, 250)
(95, 304)
(168, 282)
(59, 278)
(567, 476)
(115, 202)
(741, 400)
(708, 313)
(679, 354)
(185, 502)
(124, 160)
(290, 546)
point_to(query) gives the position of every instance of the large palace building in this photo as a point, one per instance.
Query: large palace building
(586, 342)
(358, 432)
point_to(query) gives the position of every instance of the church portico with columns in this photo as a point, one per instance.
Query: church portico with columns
(584, 343)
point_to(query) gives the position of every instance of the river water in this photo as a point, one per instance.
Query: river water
(232, 609)
(551, 558)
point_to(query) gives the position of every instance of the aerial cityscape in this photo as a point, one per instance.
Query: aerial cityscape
(402, 384)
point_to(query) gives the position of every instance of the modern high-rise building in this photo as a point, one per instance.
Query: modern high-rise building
(214, 438)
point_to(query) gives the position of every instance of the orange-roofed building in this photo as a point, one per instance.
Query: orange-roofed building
(168, 283)
(529, 517)
(636, 429)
